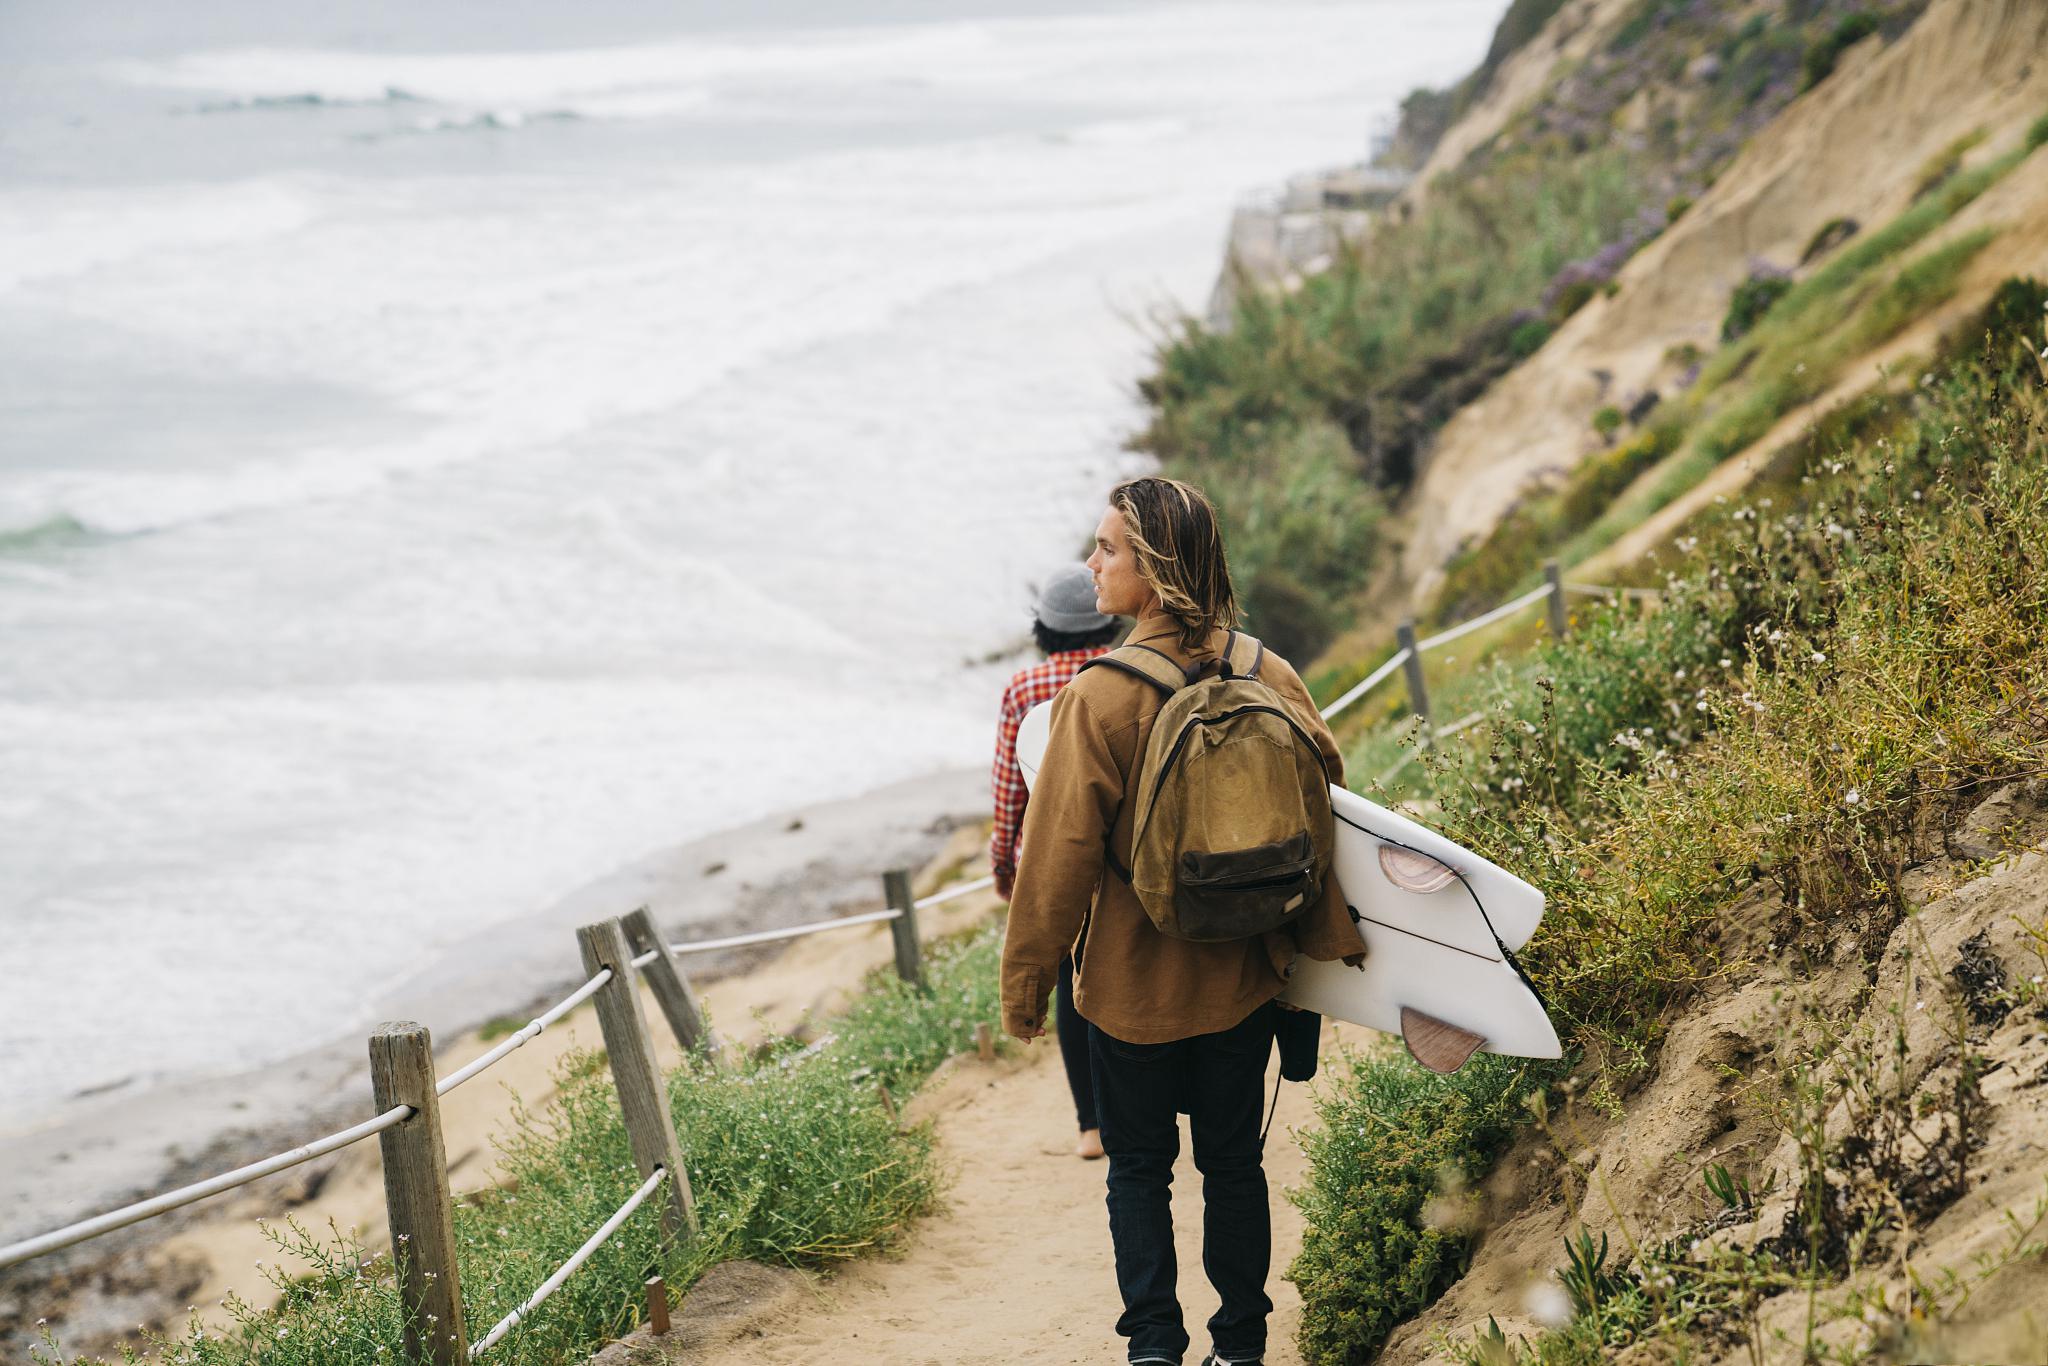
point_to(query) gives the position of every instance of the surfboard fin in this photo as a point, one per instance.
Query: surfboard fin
(1437, 1045)
(1413, 871)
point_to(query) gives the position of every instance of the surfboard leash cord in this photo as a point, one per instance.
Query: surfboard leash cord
(1507, 954)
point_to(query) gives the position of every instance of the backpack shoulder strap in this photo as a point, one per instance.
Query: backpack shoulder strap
(1244, 654)
(1142, 661)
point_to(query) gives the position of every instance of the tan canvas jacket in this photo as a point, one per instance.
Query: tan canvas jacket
(1133, 982)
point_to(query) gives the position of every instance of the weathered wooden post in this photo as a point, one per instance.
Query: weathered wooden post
(671, 989)
(984, 1042)
(649, 1127)
(1553, 574)
(1418, 692)
(657, 1305)
(909, 958)
(416, 1196)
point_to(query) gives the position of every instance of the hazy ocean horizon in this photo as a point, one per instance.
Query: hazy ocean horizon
(446, 455)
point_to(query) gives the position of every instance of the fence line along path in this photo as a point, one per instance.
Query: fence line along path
(407, 1092)
(1407, 657)
(392, 1116)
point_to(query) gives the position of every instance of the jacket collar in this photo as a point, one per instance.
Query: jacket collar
(1161, 632)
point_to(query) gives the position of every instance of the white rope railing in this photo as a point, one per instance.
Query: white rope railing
(1594, 590)
(1484, 619)
(954, 893)
(568, 1268)
(1371, 681)
(1463, 723)
(734, 941)
(1399, 764)
(226, 1181)
(844, 922)
(519, 1040)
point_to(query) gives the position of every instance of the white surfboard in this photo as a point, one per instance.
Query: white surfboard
(1437, 922)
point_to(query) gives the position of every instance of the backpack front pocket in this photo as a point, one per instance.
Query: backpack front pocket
(1238, 893)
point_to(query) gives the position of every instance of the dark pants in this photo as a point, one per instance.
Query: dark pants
(1218, 1080)
(1074, 1049)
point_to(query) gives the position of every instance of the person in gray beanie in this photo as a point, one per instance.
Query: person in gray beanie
(1070, 632)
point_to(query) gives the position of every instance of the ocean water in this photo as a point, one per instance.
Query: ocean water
(449, 451)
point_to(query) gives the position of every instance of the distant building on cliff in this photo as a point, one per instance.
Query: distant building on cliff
(1279, 236)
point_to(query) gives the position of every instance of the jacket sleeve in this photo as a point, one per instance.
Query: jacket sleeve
(1071, 812)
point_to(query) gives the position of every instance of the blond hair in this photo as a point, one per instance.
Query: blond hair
(1178, 547)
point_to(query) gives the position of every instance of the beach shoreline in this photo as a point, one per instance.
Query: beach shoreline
(97, 1152)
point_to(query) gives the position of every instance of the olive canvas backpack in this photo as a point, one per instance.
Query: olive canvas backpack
(1233, 833)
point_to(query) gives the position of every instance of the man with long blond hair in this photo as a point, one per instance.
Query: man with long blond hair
(1174, 1025)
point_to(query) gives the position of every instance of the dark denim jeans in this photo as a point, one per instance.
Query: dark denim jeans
(1073, 1032)
(1218, 1080)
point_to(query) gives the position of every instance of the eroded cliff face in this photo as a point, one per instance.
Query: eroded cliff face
(1853, 147)
(1944, 1016)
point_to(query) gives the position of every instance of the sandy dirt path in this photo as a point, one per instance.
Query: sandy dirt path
(1016, 1267)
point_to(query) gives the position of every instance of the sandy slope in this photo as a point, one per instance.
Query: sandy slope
(1636, 1177)
(1853, 147)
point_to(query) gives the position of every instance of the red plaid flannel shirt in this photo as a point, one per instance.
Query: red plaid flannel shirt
(1030, 687)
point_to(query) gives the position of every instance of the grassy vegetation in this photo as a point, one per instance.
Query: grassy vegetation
(1789, 348)
(1350, 374)
(1388, 1202)
(792, 1160)
(1819, 62)
(1828, 679)
(1363, 362)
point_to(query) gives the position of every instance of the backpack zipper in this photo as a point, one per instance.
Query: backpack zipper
(1261, 885)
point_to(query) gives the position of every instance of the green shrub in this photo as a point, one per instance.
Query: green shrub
(1827, 237)
(1607, 421)
(1387, 1204)
(1822, 54)
(1777, 703)
(2012, 319)
(1917, 290)
(1945, 163)
(1528, 338)
(1642, 21)
(1571, 299)
(1751, 300)
(1599, 479)
(2037, 132)
(1302, 531)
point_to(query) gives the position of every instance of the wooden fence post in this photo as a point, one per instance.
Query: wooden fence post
(671, 989)
(416, 1196)
(1418, 693)
(909, 958)
(1553, 574)
(642, 1098)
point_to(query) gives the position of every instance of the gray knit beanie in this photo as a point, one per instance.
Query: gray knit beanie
(1067, 601)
